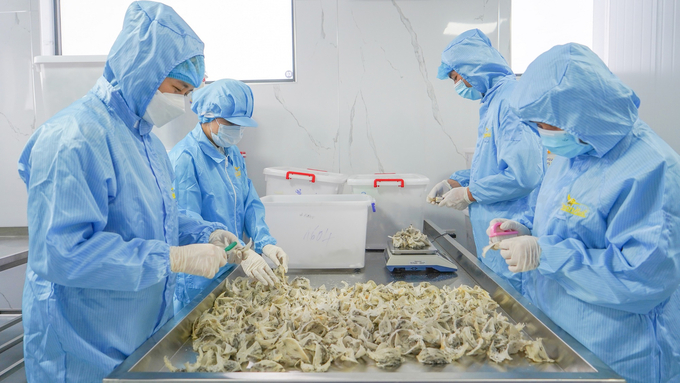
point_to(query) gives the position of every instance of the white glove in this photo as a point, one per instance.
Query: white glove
(438, 191)
(222, 239)
(521, 253)
(201, 259)
(509, 225)
(456, 198)
(277, 255)
(256, 268)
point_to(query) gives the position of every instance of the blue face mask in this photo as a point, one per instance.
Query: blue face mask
(562, 143)
(465, 92)
(227, 135)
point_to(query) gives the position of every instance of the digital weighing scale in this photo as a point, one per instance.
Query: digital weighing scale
(417, 260)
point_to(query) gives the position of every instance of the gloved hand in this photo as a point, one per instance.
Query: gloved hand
(509, 225)
(277, 255)
(438, 191)
(456, 198)
(222, 239)
(521, 253)
(203, 259)
(256, 268)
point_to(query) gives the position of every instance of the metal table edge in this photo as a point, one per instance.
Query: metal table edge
(602, 372)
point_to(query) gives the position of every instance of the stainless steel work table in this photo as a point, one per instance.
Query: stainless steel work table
(13, 247)
(574, 362)
(13, 253)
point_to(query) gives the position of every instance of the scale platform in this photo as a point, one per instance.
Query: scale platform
(417, 260)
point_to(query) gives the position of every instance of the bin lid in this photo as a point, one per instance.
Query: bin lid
(313, 175)
(408, 179)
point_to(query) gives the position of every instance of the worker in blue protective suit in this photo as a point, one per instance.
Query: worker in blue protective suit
(212, 181)
(105, 236)
(508, 163)
(603, 258)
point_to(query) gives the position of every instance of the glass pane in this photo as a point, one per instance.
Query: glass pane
(538, 25)
(244, 39)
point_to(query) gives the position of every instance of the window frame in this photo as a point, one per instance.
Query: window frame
(56, 19)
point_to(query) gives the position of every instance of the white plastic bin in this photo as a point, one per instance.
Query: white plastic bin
(399, 202)
(286, 180)
(63, 80)
(320, 231)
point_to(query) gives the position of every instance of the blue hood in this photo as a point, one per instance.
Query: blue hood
(472, 56)
(569, 87)
(154, 40)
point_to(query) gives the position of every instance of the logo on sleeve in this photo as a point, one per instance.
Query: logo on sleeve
(575, 208)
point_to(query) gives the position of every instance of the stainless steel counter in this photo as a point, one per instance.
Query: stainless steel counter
(13, 252)
(13, 247)
(573, 361)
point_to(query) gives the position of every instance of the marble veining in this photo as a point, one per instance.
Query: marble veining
(418, 51)
(369, 134)
(317, 144)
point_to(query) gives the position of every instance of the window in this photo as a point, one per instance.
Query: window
(248, 40)
(538, 25)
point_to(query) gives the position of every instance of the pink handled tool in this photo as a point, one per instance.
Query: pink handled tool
(498, 234)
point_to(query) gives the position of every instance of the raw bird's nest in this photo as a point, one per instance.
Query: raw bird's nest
(294, 326)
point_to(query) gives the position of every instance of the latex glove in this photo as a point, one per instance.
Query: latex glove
(521, 253)
(203, 259)
(222, 239)
(277, 255)
(255, 267)
(456, 198)
(509, 225)
(438, 191)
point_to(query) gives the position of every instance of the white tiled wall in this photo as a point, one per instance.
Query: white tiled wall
(367, 98)
(18, 19)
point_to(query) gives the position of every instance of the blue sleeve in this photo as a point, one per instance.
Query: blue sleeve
(640, 266)
(187, 188)
(520, 161)
(255, 226)
(69, 192)
(462, 177)
(195, 230)
(192, 227)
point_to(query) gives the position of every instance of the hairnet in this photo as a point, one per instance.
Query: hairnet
(228, 99)
(190, 71)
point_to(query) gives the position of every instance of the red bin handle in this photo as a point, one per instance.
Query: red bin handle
(375, 182)
(302, 174)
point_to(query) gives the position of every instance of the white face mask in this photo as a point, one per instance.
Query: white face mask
(227, 135)
(163, 108)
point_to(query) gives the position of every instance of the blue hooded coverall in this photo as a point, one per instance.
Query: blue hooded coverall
(607, 221)
(213, 184)
(509, 160)
(101, 213)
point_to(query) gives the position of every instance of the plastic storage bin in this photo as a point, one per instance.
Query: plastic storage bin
(320, 231)
(63, 80)
(287, 180)
(399, 202)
